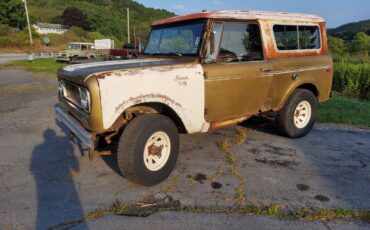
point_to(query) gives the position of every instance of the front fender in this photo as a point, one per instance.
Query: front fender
(181, 87)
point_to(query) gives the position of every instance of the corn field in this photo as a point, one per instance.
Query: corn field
(352, 78)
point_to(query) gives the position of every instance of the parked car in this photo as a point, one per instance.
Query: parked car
(128, 51)
(77, 50)
(199, 72)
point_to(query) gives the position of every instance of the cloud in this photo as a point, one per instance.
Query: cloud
(217, 3)
(179, 7)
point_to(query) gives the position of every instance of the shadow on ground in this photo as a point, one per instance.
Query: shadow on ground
(52, 166)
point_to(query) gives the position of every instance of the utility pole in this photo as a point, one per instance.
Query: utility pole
(28, 21)
(128, 26)
(135, 45)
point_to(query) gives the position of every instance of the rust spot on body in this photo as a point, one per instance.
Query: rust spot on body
(148, 98)
(219, 124)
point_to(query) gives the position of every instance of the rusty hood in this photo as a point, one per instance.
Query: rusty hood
(80, 72)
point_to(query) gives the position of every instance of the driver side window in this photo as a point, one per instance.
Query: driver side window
(241, 42)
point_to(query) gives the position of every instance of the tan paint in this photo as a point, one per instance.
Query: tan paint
(241, 89)
(235, 89)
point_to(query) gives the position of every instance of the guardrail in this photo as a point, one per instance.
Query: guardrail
(45, 54)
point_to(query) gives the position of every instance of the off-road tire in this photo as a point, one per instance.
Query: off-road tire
(285, 118)
(130, 154)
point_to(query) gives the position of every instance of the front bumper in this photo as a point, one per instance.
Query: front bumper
(84, 136)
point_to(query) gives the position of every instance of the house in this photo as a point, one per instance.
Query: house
(47, 28)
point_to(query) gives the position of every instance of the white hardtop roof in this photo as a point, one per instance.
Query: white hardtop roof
(80, 43)
(245, 15)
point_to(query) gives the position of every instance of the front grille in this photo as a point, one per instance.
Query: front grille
(72, 93)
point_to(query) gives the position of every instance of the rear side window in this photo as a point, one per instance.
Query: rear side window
(292, 37)
(309, 37)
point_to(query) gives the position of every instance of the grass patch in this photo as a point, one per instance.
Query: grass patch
(47, 65)
(345, 110)
(144, 209)
(27, 88)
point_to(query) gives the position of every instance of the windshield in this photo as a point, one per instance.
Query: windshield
(74, 46)
(178, 40)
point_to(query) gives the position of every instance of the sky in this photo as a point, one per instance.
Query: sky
(336, 12)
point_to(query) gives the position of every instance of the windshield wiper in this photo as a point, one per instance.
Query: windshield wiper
(170, 53)
(178, 54)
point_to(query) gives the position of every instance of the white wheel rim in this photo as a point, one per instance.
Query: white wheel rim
(157, 151)
(302, 114)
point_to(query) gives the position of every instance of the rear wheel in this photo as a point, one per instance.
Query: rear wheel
(298, 115)
(148, 149)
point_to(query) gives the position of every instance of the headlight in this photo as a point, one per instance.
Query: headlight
(85, 99)
(60, 88)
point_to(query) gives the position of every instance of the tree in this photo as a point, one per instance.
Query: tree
(360, 44)
(12, 13)
(75, 17)
(337, 47)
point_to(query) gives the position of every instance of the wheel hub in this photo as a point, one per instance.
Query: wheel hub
(302, 114)
(157, 151)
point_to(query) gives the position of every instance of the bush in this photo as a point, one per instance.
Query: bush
(14, 40)
(352, 78)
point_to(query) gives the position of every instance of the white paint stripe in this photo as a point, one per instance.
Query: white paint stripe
(224, 78)
(301, 69)
(234, 78)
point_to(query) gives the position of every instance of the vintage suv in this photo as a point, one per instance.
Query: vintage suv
(199, 72)
(77, 50)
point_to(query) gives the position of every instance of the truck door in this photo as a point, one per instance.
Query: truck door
(238, 79)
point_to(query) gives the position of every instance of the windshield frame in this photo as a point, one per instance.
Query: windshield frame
(183, 23)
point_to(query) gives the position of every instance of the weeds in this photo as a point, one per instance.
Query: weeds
(225, 146)
(352, 78)
(275, 210)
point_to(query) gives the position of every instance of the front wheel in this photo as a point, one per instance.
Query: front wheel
(298, 115)
(148, 149)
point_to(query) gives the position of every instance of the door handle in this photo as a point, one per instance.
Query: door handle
(265, 70)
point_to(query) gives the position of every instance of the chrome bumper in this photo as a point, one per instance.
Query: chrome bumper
(84, 136)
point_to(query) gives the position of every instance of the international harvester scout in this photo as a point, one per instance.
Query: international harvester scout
(199, 72)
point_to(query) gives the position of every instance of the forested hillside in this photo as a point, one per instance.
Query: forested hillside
(348, 31)
(104, 19)
(106, 16)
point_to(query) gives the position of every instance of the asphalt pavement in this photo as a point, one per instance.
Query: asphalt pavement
(46, 180)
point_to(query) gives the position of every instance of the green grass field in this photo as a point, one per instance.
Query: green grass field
(47, 65)
(345, 110)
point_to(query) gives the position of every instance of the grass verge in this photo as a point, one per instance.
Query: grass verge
(48, 65)
(345, 110)
(274, 210)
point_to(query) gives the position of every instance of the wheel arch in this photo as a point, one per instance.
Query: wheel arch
(307, 85)
(154, 107)
(311, 87)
